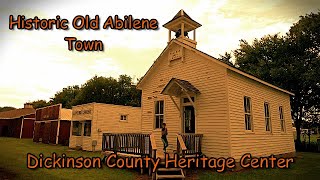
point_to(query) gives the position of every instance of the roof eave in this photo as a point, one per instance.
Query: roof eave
(217, 61)
(260, 81)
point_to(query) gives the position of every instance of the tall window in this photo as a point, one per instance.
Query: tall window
(159, 116)
(87, 128)
(247, 112)
(282, 122)
(267, 116)
(76, 128)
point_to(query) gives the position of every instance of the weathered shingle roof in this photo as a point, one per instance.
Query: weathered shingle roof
(184, 84)
(16, 113)
(181, 13)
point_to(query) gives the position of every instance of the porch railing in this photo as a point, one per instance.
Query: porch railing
(191, 144)
(153, 154)
(181, 146)
(129, 143)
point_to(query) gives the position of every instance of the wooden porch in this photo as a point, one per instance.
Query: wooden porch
(129, 143)
(142, 145)
(145, 144)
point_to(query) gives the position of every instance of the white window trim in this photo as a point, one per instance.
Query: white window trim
(155, 115)
(282, 120)
(267, 119)
(248, 113)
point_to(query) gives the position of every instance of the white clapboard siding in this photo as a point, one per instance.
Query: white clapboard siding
(211, 104)
(105, 119)
(259, 142)
(219, 107)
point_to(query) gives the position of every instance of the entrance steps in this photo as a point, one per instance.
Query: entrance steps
(171, 172)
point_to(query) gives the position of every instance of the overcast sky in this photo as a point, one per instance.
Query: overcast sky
(36, 64)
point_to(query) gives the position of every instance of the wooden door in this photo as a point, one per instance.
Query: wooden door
(189, 119)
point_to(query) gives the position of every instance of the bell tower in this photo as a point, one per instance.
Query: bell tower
(182, 24)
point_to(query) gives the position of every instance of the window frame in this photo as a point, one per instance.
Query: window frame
(159, 114)
(79, 132)
(122, 119)
(248, 114)
(282, 120)
(267, 119)
(84, 128)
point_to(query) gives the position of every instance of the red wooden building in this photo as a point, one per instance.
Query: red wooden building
(18, 123)
(52, 125)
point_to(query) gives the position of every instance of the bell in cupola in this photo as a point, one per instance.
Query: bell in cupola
(178, 33)
(181, 24)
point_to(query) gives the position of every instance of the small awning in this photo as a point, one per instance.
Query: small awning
(176, 87)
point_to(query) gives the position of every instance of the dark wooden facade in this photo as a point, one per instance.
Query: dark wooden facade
(64, 132)
(50, 128)
(28, 126)
(13, 126)
(48, 113)
(10, 127)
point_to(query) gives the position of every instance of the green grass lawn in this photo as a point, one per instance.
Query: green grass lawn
(13, 160)
(313, 137)
(13, 163)
(306, 166)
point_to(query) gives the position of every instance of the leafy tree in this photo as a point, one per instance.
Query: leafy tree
(312, 119)
(226, 58)
(128, 94)
(291, 62)
(66, 96)
(109, 90)
(97, 89)
(39, 104)
(6, 108)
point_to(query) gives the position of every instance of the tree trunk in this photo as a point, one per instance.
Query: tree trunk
(297, 117)
(298, 124)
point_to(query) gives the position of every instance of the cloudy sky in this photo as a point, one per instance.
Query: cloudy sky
(36, 64)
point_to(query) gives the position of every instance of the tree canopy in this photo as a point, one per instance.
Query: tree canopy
(6, 108)
(66, 96)
(98, 89)
(109, 90)
(226, 58)
(291, 62)
(40, 103)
